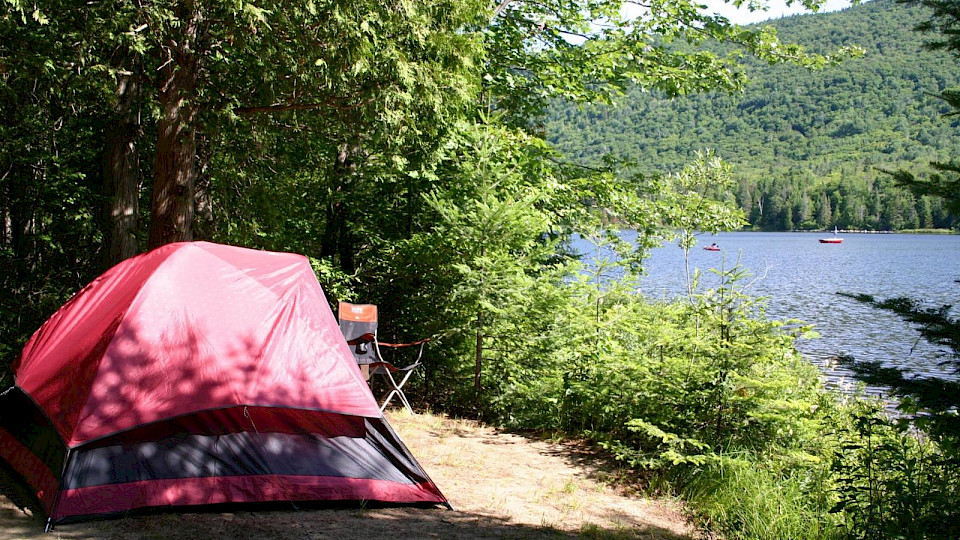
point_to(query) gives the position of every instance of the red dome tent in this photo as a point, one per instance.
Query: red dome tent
(197, 374)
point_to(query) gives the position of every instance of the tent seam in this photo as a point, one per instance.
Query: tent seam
(93, 441)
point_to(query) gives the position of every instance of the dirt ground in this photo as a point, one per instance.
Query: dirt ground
(501, 485)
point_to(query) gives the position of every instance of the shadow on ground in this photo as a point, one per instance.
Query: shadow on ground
(598, 463)
(478, 474)
(340, 523)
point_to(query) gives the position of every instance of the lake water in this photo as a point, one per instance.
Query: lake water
(801, 277)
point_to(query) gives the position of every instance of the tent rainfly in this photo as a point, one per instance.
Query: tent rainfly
(199, 374)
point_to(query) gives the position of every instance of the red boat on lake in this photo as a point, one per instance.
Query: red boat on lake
(832, 239)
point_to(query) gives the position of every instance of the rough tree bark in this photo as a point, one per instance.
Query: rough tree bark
(121, 174)
(172, 203)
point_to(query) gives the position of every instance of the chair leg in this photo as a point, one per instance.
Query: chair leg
(397, 391)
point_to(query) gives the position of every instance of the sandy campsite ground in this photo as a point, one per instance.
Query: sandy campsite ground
(500, 485)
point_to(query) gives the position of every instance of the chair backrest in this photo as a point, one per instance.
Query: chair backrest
(355, 321)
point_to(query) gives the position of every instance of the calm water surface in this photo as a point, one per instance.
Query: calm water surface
(801, 277)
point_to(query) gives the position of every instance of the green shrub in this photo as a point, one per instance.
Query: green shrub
(892, 481)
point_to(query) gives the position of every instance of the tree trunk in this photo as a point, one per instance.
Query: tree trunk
(204, 222)
(23, 239)
(6, 227)
(121, 175)
(337, 240)
(172, 204)
(478, 367)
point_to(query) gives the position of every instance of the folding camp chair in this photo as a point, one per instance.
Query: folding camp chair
(358, 322)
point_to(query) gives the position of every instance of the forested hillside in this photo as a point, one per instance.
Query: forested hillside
(805, 145)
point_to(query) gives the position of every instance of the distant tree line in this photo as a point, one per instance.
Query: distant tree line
(795, 201)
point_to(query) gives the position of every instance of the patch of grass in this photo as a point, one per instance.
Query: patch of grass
(363, 509)
(454, 459)
(498, 503)
(744, 501)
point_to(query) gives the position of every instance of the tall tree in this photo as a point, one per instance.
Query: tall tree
(180, 49)
(689, 206)
(121, 171)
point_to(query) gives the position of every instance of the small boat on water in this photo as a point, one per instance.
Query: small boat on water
(832, 239)
(712, 247)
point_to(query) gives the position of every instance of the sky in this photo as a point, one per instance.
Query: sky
(778, 8)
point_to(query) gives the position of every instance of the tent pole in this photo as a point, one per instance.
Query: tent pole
(56, 499)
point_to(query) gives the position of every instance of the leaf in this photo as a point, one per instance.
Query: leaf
(38, 16)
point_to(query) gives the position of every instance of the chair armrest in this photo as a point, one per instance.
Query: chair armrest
(377, 344)
(398, 345)
(363, 338)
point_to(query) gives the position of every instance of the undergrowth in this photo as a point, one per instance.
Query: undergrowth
(709, 399)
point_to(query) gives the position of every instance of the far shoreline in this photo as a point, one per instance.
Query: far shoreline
(859, 231)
